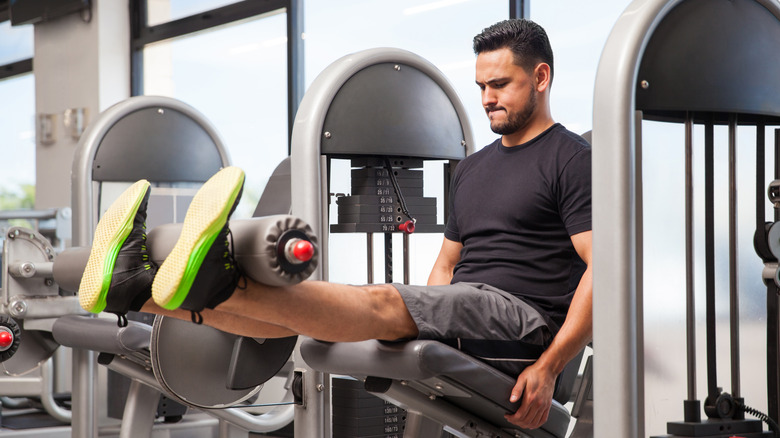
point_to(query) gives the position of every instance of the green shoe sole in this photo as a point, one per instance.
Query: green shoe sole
(207, 215)
(111, 232)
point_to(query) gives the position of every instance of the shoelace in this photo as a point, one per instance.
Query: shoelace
(231, 263)
(196, 317)
(144, 253)
(232, 259)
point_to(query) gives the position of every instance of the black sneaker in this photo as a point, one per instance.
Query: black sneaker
(119, 261)
(200, 271)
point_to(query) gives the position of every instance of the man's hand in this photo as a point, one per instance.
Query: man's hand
(535, 385)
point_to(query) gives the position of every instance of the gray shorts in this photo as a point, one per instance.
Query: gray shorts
(482, 321)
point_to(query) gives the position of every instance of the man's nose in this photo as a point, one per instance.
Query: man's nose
(489, 97)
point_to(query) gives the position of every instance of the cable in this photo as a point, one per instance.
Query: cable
(761, 416)
(398, 193)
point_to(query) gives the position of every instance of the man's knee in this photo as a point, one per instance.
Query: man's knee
(388, 306)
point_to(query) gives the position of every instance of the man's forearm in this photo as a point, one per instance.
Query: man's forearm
(577, 329)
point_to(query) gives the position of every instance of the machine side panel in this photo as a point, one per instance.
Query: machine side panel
(162, 144)
(696, 61)
(409, 115)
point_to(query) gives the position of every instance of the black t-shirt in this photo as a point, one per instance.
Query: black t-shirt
(514, 210)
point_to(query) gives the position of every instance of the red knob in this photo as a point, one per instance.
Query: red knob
(303, 250)
(6, 339)
(407, 227)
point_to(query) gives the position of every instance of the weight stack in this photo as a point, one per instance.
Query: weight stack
(358, 414)
(375, 207)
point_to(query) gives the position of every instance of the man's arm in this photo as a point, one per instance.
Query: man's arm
(442, 270)
(537, 382)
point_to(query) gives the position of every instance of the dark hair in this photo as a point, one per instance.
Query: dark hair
(526, 39)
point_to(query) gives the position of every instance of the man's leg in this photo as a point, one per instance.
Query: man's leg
(227, 322)
(200, 274)
(325, 311)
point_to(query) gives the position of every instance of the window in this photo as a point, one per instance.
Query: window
(17, 125)
(236, 74)
(163, 11)
(16, 43)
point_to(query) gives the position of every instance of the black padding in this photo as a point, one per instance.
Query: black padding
(417, 361)
(255, 361)
(729, 50)
(101, 335)
(159, 144)
(398, 361)
(408, 115)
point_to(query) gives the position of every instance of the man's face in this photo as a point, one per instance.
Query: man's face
(508, 91)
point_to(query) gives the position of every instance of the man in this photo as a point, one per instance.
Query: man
(512, 282)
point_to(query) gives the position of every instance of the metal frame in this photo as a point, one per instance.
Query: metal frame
(519, 8)
(309, 192)
(16, 68)
(84, 407)
(617, 241)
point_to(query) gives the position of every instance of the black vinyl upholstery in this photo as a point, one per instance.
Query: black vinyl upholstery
(436, 369)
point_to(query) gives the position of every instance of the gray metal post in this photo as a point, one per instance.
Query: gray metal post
(733, 268)
(617, 333)
(140, 409)
(690, 292)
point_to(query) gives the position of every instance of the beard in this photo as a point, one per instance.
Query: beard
(515, 121)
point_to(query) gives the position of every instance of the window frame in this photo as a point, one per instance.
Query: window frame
(16, 68)
(141, 35)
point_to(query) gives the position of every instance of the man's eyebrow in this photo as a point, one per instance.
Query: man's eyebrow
(493, 80)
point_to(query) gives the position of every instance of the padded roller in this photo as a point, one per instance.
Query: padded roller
(262, 247)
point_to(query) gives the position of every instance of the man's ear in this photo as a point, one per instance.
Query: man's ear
(542, 76)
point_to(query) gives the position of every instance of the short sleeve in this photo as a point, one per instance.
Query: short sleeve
(575, 192)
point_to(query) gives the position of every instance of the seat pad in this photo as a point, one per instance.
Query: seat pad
(433, 367)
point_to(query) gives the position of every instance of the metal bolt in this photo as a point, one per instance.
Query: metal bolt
(644, 84)
(463, 142)
(320, 387)
(160, 111)
(432, 397)
(397, 67)
(49, 282)
(18, 308)
(438, 387)
(328, 134)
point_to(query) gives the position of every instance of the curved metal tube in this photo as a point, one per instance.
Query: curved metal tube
(47, 396)
(618, 389)
(273, 420)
